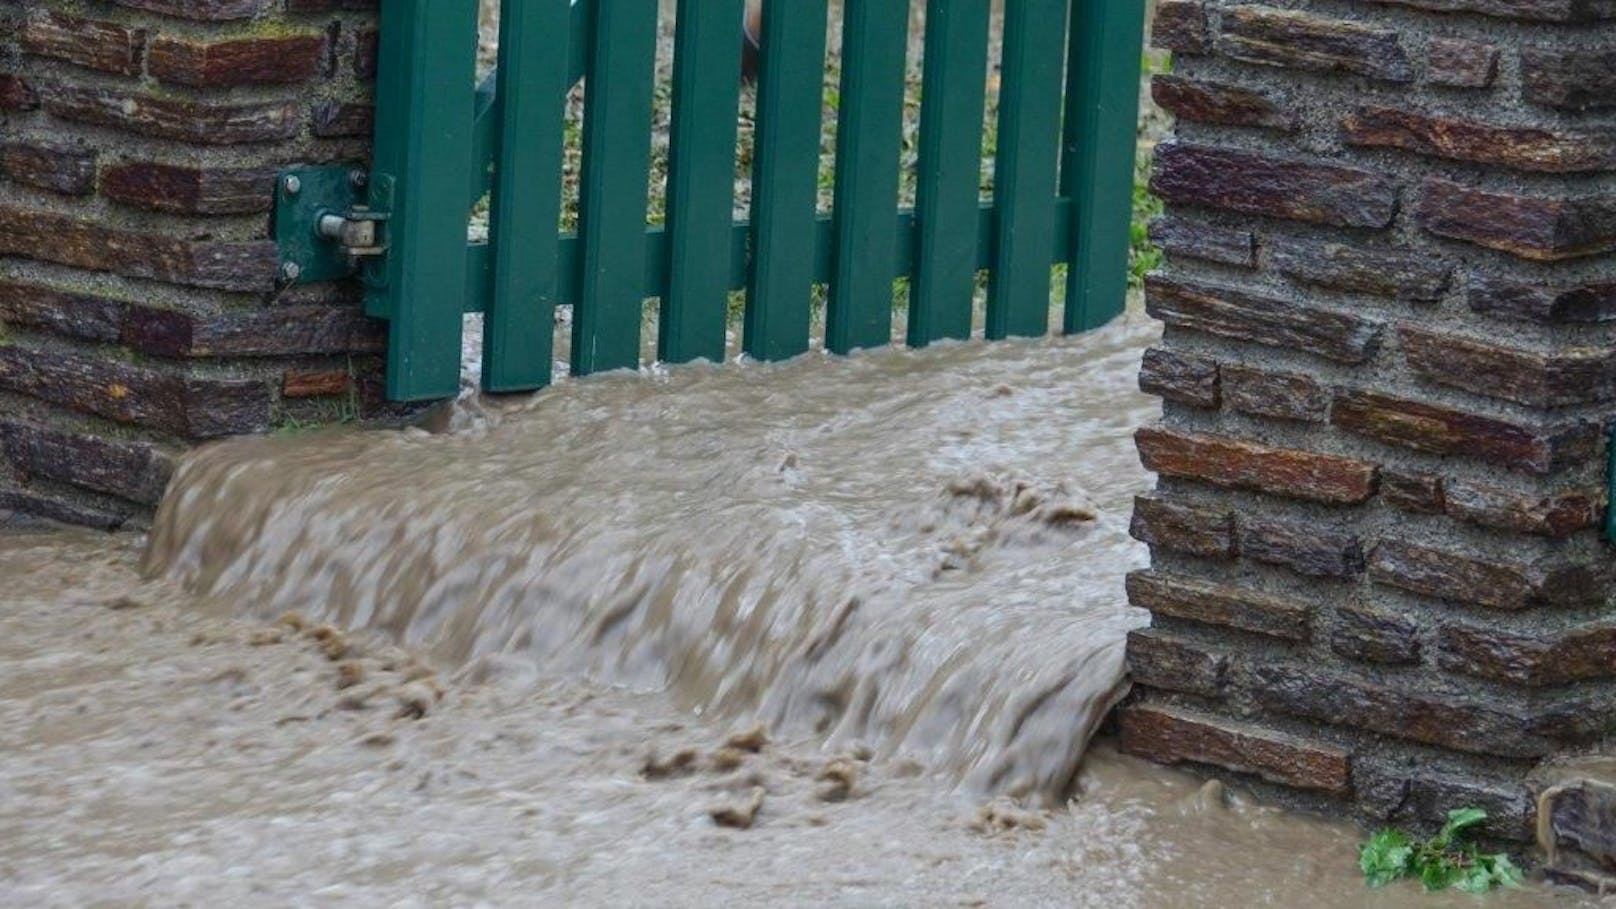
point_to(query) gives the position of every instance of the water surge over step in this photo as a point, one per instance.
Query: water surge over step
(918, 551)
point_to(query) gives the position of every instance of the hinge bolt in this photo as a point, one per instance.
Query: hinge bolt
(291, 271)
(293, 186)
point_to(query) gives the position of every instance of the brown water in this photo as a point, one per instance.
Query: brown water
(914, 552)
(906, 567)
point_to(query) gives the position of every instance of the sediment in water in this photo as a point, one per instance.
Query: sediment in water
(914, 550)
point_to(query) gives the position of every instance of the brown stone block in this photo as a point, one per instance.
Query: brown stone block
(1216, 102)
(1231, 313)
(1220, 605)
(1284, 396)
(1539, 149)
(1578, 654)
(50, 237)
(367, 44)
(1374, 637)
(1570, 78)
(1434, 429)
(1188, 174)
(1264, 34)
(1539, 303)
(336, 120)
(1303, 548)
(1396, 793)
(1171, 735)
(1228, 245)
(1457, 63)
(1496, 583)
(59, 169)
(1181, 26)
(190, 189)
(54, 508)
(137, 471)
(315, 384)
(1193, 529)
(1446, 720)
(1568, 375)
(1556, 516)
(275, 331)
(1526, 10)
(16, 94)
(104, 46)
(259, 60)
(1163, 661)
(1386, 273)
(1236, 464)
(74, 315)
(189, 407)
(209, 122)
(1186, 379)
(1417, 492)
(201, 10)
(1543, 229)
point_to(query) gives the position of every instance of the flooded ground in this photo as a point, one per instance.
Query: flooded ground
(555, 633)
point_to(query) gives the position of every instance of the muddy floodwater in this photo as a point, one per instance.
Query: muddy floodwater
(828, 633)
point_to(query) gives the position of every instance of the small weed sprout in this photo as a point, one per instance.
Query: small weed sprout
(1448, 859)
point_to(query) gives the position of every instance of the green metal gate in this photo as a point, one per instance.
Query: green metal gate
(1062, 188)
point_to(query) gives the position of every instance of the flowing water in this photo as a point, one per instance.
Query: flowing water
(831, 632)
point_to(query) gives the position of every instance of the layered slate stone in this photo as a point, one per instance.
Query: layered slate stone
(1187, 379)
(1175, 664)
(143, 306)
(1279, 37)
(1541, 378)
(1360, 269)
(1216, 102)
(1576, 79)
(1313, 192)
(1238, 464)
(1195, 240)
(1404, 307)
(1226, 311)
(137, 471)
(1540, 149)
(1437, 429)
(1542, 228)
(1192, 529)
(1221, 605)
(1175, 735)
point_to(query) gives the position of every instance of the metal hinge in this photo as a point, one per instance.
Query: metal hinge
(325, 225)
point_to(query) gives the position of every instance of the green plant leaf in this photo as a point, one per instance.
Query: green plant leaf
(1438, 875)
(1386, 857)
(1441, 862)
(1459, 821)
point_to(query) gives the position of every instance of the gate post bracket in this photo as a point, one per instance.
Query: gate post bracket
(323, 226)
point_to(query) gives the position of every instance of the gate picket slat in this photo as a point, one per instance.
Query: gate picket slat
(614, 184)
(1025, 167)
(1101, 139)
(701, 180)
(948, 193)
(869, 140)
(423, 152)
(785, 178)
(518, 334)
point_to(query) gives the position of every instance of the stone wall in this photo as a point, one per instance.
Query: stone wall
(142, 307)
(1378, 580)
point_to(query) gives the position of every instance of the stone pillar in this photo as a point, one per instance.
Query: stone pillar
(142, 307)
(1378, 581)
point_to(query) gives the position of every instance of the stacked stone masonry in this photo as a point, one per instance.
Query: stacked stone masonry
(142, 308)
(1378, 582)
